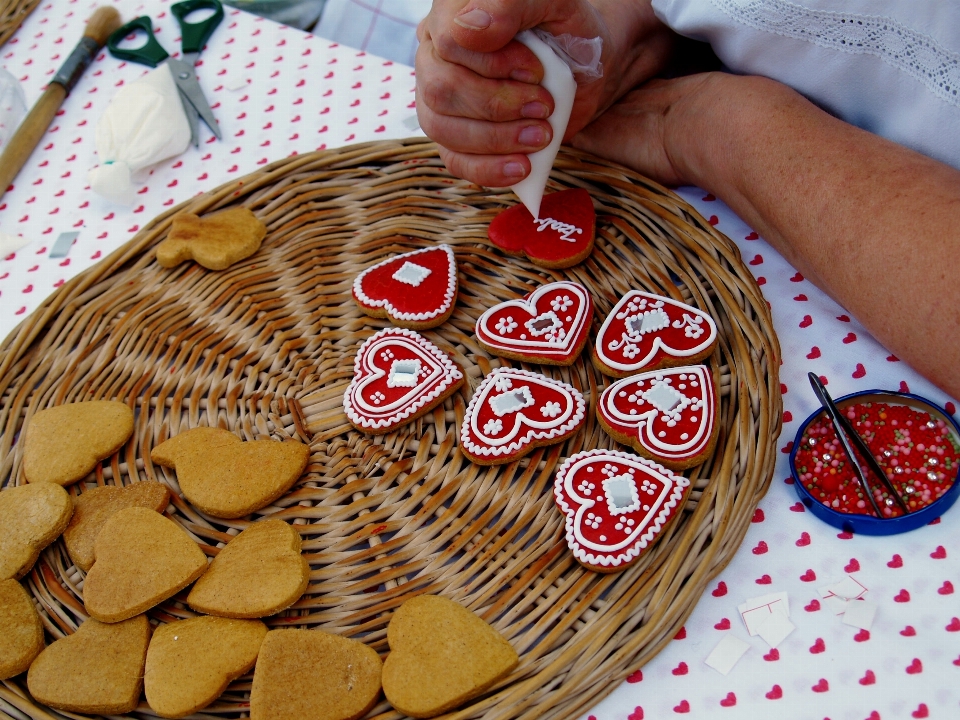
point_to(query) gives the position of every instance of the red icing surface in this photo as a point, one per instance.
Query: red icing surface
(677, 331)
(565, 309)
(633, 407)
(515, 231)
(429, 299)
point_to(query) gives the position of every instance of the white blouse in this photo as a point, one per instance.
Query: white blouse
(889, 66)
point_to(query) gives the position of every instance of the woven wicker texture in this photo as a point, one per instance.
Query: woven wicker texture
(266, 348)
(12, 15)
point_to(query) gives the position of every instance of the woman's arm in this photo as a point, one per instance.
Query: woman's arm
(871, 223)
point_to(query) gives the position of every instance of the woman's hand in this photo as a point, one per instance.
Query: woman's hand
(478, 91)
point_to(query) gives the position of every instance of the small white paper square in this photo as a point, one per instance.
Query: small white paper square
(237, 83)
(849, 588)
(755, 611)
(774, 629)
(860, 614)
(726, 654)
(836, 605)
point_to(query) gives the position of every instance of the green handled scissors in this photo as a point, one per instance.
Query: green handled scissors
(194, 36)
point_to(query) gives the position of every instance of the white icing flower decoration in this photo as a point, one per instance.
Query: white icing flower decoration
(593, 521)
(506, 325)
(630, 350)
(493, 427)
(559, 304)
(502, 384)
(551, 409)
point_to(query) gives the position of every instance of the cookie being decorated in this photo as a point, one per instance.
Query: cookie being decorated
(646, 332)
(547, 326)
(415, 290)
(397, 377)
(215, 241)
(667, 415)
(561, 237)
(616, 506)
(515, 411)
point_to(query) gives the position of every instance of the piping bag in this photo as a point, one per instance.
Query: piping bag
(561, 57)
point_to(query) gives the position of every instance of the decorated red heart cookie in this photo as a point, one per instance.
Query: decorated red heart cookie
(646, 332)
(398, 376)
(548, 326)
(667, 415)
(514, 411)
(416, 290)
(560, 238)
(616, 506)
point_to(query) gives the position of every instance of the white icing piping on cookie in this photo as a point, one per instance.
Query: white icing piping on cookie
(448, 297)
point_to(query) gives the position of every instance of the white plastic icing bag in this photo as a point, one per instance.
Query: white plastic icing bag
(561, 56)
(143, 125)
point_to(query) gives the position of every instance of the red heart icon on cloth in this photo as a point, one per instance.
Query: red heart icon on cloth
(547, 326)
(908, 631)
(852, 566)
(954, 625)
(763, 580)
(915, 667)
(946, 588)
(416, 289)
(681, 669)
(921, 712)
(895, 562)
(822, 686)
(902, 597)
(397, 376)
(561, 237)
(772, 656)
(683, 707)
(818, 647)
(940, 553)
(729, 701)
(616, 505)
(645, 332)
(667, 415)
(724, 624)
(813, 606)
(514, 411)
(869, 678)
(862, 636)
(720, 590)
(776, 692)
(761, 548)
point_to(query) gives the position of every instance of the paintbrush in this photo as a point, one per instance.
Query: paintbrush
(15, 155)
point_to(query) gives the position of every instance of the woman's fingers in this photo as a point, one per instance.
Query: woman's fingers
(486, 170)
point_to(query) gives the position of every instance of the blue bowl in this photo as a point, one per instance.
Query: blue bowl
(868, 524)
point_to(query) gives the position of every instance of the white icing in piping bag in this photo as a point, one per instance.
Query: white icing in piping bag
(559, 82)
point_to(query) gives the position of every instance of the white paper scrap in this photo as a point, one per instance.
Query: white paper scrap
(237, 83)
(860, 614)
(726, 654)
(755, 611)
(849, 588)
(836, 605)
(775, 629)
(11, 243)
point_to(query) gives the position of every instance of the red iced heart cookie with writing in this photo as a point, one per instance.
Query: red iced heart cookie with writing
(616, 506)
(397, 376)
(560, 238)
(514, 411)
(415, 290)
(646, 332)
(548, 326)
(667, 415)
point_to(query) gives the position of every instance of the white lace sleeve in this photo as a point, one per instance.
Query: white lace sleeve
(891, 67)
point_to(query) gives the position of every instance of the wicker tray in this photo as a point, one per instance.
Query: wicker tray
(12, 15)
(267, 348)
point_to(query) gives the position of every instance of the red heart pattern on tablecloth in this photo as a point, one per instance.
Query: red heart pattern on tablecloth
(616, 505)
(547, 326)
(514, 411)
(561, 237)
(667, 415)
(397, 376)
(418, 288)
(646, 331)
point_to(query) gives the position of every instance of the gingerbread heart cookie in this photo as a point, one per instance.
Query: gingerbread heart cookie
(31, 517)
(191, 662)
(215, 241)
(21, 632)
(143, 558)
(416, 290)
(514, 411)
(94, 507)
(258, 573)
(668, 415)
(646, 332)
(441, 656)
(226, 477)
(98, 670)
(63, 444)
(561, 237)
(313, 675)
(397, 377)
(616, 506)
(547, 326)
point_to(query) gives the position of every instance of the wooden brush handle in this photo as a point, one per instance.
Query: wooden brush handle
(28, 134)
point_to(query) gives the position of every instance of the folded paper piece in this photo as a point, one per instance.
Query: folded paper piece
(860, 614)
(849, 589)
(144, 124)
(11, 243)
(756, 611)
(775, 629)
(726, 654)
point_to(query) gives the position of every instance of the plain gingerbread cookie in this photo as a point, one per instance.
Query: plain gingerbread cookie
(226, 477)
(98, 670)
(21, 632)
(31, 517)
(63, 444)
(313, 675)
(216, 241)
(191, 662)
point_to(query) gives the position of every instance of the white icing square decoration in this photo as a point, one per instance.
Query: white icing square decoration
(511, 402)
(726, 654)
(411, 274)
(860, 614)
(775, 629)
(621, 493)
(755, 611)
(404, 373)
(663, 397)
